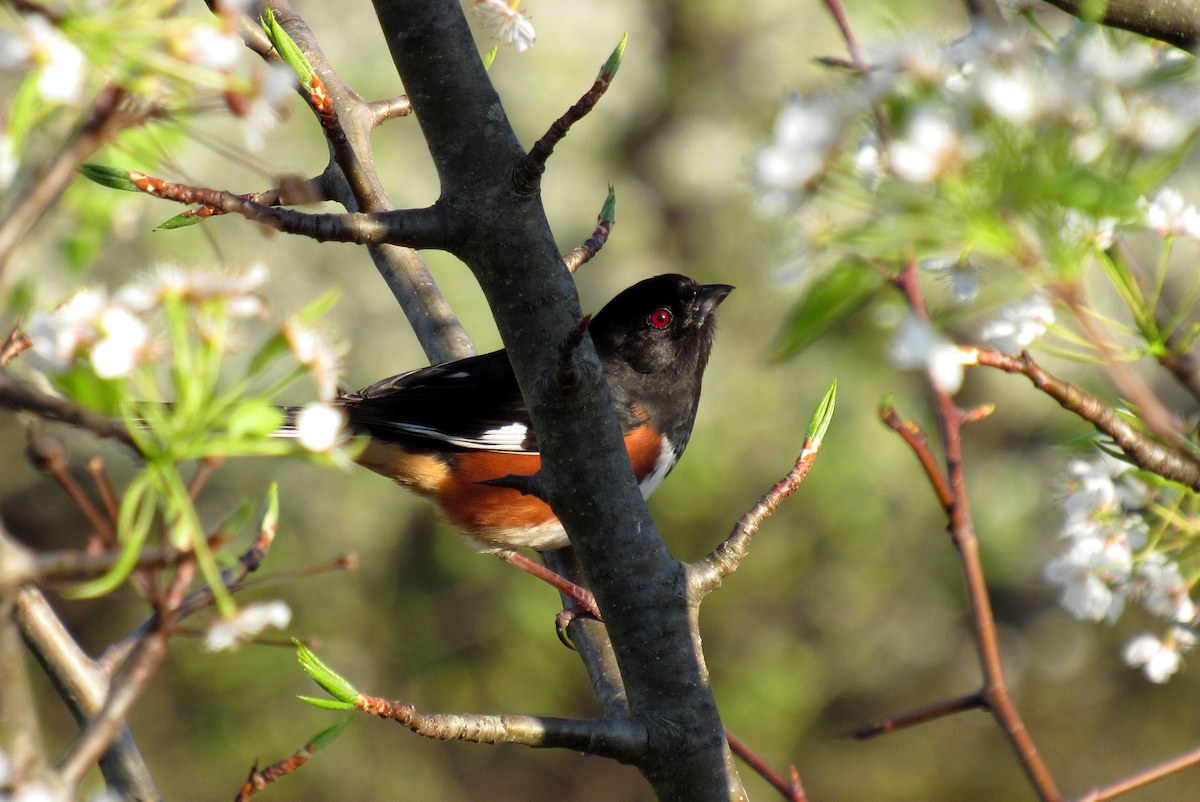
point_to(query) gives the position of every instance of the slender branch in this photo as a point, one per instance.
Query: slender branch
(1146, 453)
(621, 739)
(931, 713)
(84, 687)
(20, 729)
(839, 16)
(104, 487)
(260, 779)
(384, 110)
(1153, 774)
(49, 456)
(705, 576)
(15, 395)
(108, 115)
(527, 175)
(912, 434)
(962, 531)
(791, 791)
(102, 730)
(604, 224)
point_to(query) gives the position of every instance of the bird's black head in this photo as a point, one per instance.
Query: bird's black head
(656, 336)
(658, 323)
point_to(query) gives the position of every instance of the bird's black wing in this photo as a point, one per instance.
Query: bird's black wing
(471, 404)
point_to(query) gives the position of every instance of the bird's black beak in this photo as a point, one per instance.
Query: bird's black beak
(708, 298)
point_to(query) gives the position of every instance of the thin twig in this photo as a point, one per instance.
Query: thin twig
(622, 739)
(962, 532)
(912, 434)
(839, 16)
(384, 110)
(15, 395)
(706, 575)
(84, 687)
(763, 769)
(104, 487)
(936, 711)
(1153, 774)
(1146, 452)
(604, 224)
(260, 779)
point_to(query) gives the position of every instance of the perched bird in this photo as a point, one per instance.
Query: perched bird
(441, 431)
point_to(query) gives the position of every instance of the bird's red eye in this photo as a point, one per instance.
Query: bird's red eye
(660, 319)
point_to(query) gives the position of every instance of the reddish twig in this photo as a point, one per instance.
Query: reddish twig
(203, 471)
(48, 455)
(962, 532)
(930, 713)
(791, 790)
(104, 487)
(259, 780)
(1147, 453)
(706, 575)
(912, 434)
(860, 64)
(581, 596)
(604, 224)
(1153, 774)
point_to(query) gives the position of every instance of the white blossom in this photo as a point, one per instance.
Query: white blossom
(58, 335)
(1017, 94)
(260, 111)
(1159, 659)
(59, 64)
(1089, 145)
(1017, 325)
(38, 791)
(506, 23)
(1163, 589)
(320, 427)
(246, 624)
(211, 47)
(930, 146)
(123, 345)
(1094, 574)
(806, 133)
(235, 287)
(1097, 57)
(917, 345)
(1169, 213)
(318, 352)
(960, 274)
(9, 161)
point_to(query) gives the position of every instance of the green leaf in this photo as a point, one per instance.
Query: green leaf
(317, 309)
(609, 70)
(272, 349)
(822, 417)
(111, 177)
(836, 295)
(270, 518)
(326, 736)
(288, 50)
(608, 214)
(85, 388)
(489, 57)
(135, 518)
(181, 220)
(254, 418)
(334, 685)
(327, 704)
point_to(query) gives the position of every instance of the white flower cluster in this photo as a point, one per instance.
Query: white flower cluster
(1019, 324)
(111, 331)
(917, 344)
(807, 135)
(320, 425)
(1170, 215)
(59, 64)
(1106, 563)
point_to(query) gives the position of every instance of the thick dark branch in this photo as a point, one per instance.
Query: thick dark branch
(931, 713)
(1171, 21)
(1147, 453)
(15, 395)
(705, 576)
(622, 739)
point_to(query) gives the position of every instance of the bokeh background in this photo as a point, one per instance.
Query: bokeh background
(851, 606)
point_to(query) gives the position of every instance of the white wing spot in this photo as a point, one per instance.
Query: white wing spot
(510, 436)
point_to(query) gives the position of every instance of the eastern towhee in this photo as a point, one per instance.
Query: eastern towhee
(441, 431)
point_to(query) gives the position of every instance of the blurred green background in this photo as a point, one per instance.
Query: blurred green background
(851, 606)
